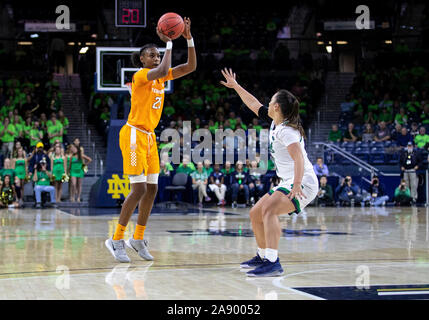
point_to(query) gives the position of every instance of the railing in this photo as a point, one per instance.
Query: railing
(355, 160)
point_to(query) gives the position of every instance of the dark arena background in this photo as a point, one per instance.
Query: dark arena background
(360, 71)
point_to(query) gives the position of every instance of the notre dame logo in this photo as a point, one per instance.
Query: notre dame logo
(118, 186)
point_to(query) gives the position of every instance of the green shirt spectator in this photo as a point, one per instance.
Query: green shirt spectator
(36, 135)
(385, 116)
(335, 134)
(8, 172)
(43, 178)
(186, 168)
(55, 131)
(422, 138)
(65, 122)
(8, 133)
(401, 117)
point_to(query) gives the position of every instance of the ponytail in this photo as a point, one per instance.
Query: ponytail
(289, 106)
(135, 59)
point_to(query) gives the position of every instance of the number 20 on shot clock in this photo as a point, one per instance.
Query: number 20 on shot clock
(130, 13)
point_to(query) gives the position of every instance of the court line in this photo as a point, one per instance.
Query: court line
(203, 265)
(400, 293)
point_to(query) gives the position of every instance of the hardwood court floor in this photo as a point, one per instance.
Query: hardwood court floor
(327, 253)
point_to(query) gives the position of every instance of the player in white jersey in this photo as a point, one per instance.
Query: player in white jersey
(298, 186)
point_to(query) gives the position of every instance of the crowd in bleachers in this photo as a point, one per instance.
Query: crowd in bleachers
(35, 149)
(384, 119)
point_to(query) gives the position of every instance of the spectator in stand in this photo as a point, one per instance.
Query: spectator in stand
(347, 106)
(325, 196)
(7, 136)
(348, 192)
(414, 131)
(368, 133)
(54, 129)
(36, 135)
(200, 181)
(382, 134)
(370, 118)
(385, 116)
(19, 128)
(165, 168)
(403, 195)
(42, 178)
(424, 117)
(36, 156)
(401, 117)
(396, 132)
(351, 134)
(386, 103)
(216, 184)
(410, 161)
(404, 138)
(186, 166)
(377, 194)
(421, 139)
(256, 188)
(65, 122)
(207, 167)
(27, 128)
(7, 170)
(335, 134)
(239, 181)
(320, 168)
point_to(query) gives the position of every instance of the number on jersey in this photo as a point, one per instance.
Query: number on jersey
(157, 103)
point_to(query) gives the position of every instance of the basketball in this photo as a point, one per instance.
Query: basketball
(171, 25)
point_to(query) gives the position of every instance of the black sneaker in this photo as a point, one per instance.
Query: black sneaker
(256, 261)
(267, 269)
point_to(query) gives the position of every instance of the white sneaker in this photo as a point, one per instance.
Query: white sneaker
(140, 246)
(117, 249)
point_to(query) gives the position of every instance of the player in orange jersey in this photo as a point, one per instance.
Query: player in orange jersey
(138, 141)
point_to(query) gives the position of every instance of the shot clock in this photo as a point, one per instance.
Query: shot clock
(130, 13)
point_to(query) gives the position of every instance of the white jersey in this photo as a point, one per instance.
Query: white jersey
(281, 137)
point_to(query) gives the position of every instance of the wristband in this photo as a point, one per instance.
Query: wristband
(169, 45)
(191, 42)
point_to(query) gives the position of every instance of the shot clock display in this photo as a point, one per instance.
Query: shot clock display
(130, 13)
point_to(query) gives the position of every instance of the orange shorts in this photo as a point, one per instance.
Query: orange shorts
(139, 151)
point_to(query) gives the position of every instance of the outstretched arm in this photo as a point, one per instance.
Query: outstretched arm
(190, 66)
(249, 100)
(162, 70)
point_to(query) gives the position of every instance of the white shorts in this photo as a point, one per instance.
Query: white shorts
(310, 188)
(150, 178)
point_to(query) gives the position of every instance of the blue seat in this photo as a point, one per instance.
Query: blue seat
(377, 156)
(362, 153)
(393, 158)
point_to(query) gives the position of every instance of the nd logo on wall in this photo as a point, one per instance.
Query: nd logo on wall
(118, 186)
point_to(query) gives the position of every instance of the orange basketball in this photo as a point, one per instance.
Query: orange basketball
(171, 25)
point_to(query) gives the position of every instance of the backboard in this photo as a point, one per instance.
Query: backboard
(114, 69)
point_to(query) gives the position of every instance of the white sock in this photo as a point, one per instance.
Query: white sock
(261, 253)
(271, 254)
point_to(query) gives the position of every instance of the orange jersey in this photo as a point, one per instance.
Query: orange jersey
(147, 100)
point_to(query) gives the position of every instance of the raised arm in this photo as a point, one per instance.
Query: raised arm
(190, 66)
(248, 99)
(161, 71)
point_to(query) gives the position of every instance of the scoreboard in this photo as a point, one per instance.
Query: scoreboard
(130, 13)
